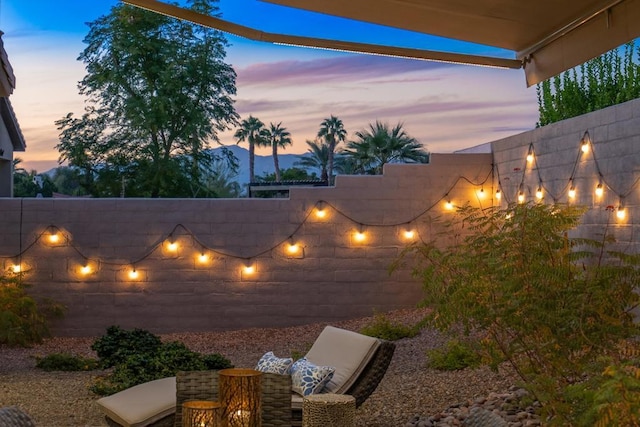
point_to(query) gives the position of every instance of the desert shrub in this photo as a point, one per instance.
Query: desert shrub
(556, 308)
(151, 361)
(382, 327)
(65, 362)
(455, 356)
(23, 320)
(118, 344)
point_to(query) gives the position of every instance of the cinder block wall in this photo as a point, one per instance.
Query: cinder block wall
(332, 277)
(613, 160)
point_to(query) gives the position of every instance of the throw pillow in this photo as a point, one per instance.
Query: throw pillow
(308, 378)
(271, 364)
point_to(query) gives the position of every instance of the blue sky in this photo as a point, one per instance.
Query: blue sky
(446, 107)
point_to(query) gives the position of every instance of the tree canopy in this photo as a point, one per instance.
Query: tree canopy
(159, 92)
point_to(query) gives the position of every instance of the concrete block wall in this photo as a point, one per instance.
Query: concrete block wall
(332, 277)
(613, 159)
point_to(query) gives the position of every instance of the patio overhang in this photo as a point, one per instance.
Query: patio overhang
(547, 37)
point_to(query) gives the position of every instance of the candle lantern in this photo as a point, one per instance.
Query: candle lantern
(201, 413)
(240, 396)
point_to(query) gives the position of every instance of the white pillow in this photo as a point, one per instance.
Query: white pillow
(271, 364)
(308, 378)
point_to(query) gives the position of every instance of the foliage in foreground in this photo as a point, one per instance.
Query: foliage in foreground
(556, 308)
(382, 327)
(23, 320)
(455, 356)
(138, 356)
(66, 362)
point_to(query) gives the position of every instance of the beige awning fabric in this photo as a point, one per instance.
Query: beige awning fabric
(546, 36)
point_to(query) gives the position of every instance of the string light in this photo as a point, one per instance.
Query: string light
(599, 190)
(521, 196)
(530, 154)
(572, 189)
(133, 273)
(409, 234)
(321, 212)
(293, 248)
(359, 235)
(203, 258)
(620, 213)
(172, 246)
(249, 269)
(498, 194)
(481, 194)
(585, 141)
(448, 205)
(85, 269)
(54, 237)
(539, 193)
(16, 268)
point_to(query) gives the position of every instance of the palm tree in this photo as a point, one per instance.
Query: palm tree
(333, 132)
(277, 136)
(317, 158)
(380, 145)
(252, 131)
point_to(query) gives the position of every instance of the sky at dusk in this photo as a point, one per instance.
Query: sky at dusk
(446, 107)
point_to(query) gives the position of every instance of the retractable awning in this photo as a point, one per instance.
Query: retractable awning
(547, 37)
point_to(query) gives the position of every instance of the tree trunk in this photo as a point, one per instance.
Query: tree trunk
(276, 164)
(332, 146)
(251, 162)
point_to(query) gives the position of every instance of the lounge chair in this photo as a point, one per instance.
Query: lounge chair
(360, 362)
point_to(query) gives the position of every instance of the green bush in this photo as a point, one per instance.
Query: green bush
(383, 328)
(455, 356)
(23, 320)
(65, 362)
(153, 360)
(556, 308)
(118, 344)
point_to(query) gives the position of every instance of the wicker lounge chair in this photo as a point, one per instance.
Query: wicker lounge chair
(277, 407)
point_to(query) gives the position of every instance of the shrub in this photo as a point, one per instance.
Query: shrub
(383, 328)
(118, 344)
(457, 355)
(153, 360)
(66, 362)
(23, 320)
(556, 308)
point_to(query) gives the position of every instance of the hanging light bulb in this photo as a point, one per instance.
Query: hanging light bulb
(481, 194)
(293, 248)
(249, 269)
(539, 193)
(448, 205)
(359, 236)
(16, 268)
(530, 155)
(172, 246)
(321, 212)
(599, 190)
(521, 196)
(572, 192)
(409, 234)
(203, 258)
(54, 237)
(133, 273)
(620, 213)
(498, 194)
(584, 142)
(85, 269)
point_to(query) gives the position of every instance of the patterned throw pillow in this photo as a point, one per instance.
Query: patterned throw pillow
(271, 364)
(308, 378)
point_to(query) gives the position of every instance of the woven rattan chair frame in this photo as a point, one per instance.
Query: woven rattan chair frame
(14, 417)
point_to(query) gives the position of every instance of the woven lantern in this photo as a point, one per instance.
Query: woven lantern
(240, 396)
(201, 413)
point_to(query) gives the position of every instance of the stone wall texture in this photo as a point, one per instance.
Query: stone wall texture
(332, 276)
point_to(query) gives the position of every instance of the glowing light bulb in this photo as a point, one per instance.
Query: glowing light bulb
(448, 205)
(16, 268)
(585, 147)
(249, 269)
(498, 194)
(133, 274)
(572, 192)
(359, 236)
(529, 157)
(85, 269)
(172, 246)
(54, 238)
(203, 258)
(599, 190)
(409, 234)
(539, 193)
(321, 213)
(293, 248)
(620, 213)
(481, 193)
(521, 197)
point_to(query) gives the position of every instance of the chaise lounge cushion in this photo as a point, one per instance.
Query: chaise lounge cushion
(348, 352)
(141, 405)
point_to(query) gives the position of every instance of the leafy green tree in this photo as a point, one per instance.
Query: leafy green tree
(380, 144)
(159, 92)
(253, 132)
(289, 174)
(609, 79)
(277, 136)
(317, 158)
(31, 184)
(332, 131)
(558, 309)
(67, 181)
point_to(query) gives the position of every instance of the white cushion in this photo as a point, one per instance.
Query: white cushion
(308, 378)
(142, 404)
(348, 352)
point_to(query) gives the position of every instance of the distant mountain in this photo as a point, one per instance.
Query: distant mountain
(263, 164)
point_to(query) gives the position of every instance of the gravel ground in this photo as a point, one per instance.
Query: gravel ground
(408, 388)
